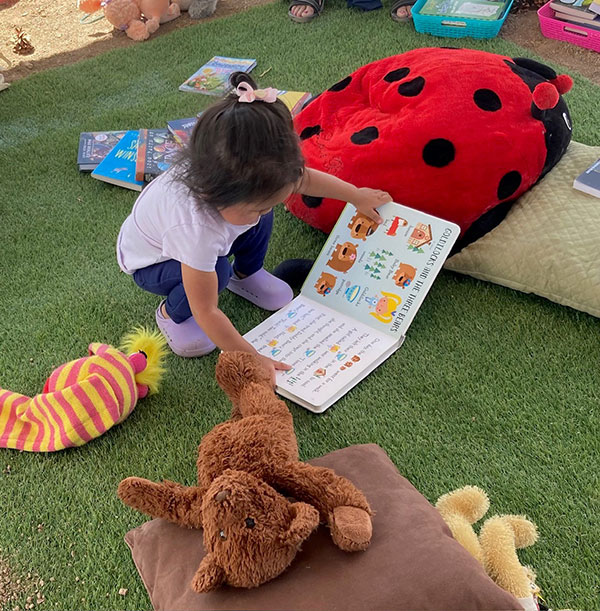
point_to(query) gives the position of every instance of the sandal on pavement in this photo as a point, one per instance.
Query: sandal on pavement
(316, 5)
(399, 4)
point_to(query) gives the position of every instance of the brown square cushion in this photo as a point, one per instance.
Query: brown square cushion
(413, 561)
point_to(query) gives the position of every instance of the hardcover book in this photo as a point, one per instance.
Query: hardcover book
(118, 167)
(294, 100)
(589, 181)
(181, 129)
(577, 9)
(213, 77)
(157, 150)
(356, 304)
(94, 147)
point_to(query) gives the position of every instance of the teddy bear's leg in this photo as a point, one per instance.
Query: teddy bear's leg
(500, 537)
(340, 503)
(168, 500)
(138, 31)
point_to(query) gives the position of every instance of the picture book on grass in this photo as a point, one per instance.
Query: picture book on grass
(356, 304)
(94, 147)
(213, 77)
(157, 150)
(118, 167)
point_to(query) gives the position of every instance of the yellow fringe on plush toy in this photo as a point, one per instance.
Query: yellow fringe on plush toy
(154, 346)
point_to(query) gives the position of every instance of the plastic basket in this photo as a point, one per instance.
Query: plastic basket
(456, 27)
(575, 33)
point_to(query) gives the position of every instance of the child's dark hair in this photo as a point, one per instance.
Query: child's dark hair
(241, 151)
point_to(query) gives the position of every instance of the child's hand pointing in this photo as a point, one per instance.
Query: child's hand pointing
(367, 200)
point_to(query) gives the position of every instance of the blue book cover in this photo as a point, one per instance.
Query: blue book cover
(118, 167)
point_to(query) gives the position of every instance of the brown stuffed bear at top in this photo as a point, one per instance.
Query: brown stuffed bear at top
(245, 467)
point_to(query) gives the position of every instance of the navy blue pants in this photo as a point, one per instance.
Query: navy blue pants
(249, 250)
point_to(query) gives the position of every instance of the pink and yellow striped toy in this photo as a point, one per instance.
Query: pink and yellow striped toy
(83, 398)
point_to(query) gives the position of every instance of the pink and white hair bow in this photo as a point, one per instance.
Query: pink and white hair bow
(245, 93)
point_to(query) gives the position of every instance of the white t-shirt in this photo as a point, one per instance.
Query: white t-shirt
(167, 223)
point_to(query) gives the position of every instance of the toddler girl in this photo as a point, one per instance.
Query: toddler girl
(243, 159)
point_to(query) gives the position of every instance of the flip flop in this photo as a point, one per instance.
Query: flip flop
(316, 5)
(398, 4)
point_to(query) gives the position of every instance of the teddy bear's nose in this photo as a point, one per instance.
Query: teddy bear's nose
(221, 496)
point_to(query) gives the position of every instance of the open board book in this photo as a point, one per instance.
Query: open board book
(356, 304)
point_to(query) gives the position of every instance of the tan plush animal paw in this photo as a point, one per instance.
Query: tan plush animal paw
(248, 468)
(495, 547)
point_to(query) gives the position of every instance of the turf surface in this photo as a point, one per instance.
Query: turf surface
(492, 387)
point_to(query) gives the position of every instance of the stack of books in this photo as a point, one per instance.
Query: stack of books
(486, 10)
(580, 12)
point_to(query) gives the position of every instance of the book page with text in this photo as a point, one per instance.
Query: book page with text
(328, 352)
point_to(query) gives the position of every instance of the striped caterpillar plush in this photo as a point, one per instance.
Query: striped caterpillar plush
(85, 397)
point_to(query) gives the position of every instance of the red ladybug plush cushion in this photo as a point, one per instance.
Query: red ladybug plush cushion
(452, 132)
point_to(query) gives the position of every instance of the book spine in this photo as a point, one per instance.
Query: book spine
(140, 163)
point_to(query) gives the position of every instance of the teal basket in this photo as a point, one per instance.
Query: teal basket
(457, 27)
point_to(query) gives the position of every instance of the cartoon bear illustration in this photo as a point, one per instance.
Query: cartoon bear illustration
(361, 227)
(343, 257)
(404, 275)
(325, 283)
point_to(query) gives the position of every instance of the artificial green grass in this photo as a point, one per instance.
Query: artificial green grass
(492, 387)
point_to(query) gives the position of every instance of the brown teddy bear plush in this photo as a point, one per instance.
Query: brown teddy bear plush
(247, 466)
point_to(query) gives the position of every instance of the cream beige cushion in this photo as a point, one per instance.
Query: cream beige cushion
(549, 243)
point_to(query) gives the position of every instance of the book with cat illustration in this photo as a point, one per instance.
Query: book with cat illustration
(356, 304)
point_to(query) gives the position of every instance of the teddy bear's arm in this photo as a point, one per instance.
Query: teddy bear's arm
(340, 503)
(167, 500)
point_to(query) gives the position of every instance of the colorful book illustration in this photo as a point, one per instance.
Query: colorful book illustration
(357, 303)
(294, 100)
(94, 147)
(118, 167)
(487, 10)
(182, 129)
(213, 77)
(157, 149)
(589, 181)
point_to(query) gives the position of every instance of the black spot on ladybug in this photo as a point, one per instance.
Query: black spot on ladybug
(312, 202)
(486, 99)
(341, 84)
(365, 136)
(438, 152)
(309, 132)
(509, 183)
(412, 88)
(396, 75)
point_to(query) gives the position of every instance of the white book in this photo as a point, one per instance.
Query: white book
(356, 304)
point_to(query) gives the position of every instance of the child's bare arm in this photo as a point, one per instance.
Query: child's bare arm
(320, 184)
(202, 291)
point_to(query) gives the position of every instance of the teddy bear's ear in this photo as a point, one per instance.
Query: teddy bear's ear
(209, 575)
(305, 518)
